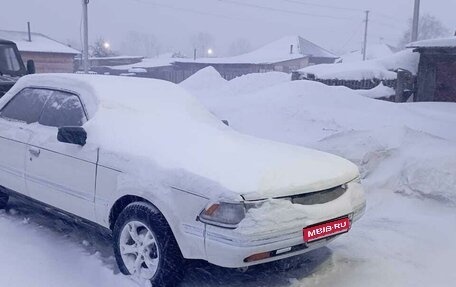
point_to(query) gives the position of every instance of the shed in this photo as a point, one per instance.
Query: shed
(50, 56)
(436, 78)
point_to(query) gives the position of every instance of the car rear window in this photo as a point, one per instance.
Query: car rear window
(63, 109)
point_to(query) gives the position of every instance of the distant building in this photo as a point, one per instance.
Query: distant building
(436, 78)
(50, 56)
(285, 55)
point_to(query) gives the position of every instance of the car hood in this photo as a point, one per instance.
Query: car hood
(232, 165)
(270, 169)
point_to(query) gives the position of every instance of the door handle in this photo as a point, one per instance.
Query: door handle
(34, 151)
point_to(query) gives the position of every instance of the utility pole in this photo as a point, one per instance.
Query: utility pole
(365, 36)
(416, 20)
(85, 51)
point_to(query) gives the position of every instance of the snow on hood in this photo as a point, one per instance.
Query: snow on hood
(160, 122)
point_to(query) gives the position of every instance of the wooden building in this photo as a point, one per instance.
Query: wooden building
(436, 78)
(50, 56)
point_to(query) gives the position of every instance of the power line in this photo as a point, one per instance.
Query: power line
(284, 10)
(171, 7)
(356, 31)
(323, 5)
(305, 3)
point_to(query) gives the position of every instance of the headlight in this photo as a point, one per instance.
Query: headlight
(223, 214)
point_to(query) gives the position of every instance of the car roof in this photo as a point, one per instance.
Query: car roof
(3, 41)
(95, 90)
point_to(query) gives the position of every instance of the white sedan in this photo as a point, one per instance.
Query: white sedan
(144, 159)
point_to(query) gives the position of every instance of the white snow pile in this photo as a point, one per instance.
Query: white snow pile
(380, 91)
(208, 79)
(204, 79)
(410, 140)
(382, 68)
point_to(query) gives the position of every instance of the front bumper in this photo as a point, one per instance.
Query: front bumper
(278, 239)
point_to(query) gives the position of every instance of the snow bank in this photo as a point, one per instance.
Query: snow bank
(208, 80)
(382, 68)
(380, 91)
(401, 159)
(204, 79)
(366, 131)
(407, 156)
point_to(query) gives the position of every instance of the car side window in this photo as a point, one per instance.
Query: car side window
(62, 110)
(26, 106)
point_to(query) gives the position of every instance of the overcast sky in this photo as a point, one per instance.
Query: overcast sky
(173, 22)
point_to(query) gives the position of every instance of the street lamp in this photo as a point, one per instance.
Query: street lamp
(106, 45)
(210, 52)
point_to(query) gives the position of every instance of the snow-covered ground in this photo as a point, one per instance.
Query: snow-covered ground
(407, 155)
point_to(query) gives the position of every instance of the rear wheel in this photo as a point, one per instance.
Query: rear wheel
(3, 200)
(145, 247)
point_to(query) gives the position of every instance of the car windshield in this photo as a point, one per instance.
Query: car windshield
(9, 63)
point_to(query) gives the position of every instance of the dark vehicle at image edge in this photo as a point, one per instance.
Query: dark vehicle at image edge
(11, 66)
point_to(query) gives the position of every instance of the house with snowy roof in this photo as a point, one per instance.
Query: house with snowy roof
(49, 55)
(285, 55)
(436, 77)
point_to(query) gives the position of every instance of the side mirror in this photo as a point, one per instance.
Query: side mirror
(31, 67)
(72, 135)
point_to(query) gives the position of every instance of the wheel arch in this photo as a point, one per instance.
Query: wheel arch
(120, 204)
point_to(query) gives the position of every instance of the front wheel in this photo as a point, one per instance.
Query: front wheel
(3, 200)
(145, 247)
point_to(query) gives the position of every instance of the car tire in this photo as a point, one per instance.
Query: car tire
(3, 200)
(137, 225)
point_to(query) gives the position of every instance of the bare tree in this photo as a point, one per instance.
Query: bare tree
(202, 41)
(239, 46)
(101, 49)
(140, 44)
(429, 27)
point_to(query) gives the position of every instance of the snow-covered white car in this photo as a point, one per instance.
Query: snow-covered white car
(144, 159)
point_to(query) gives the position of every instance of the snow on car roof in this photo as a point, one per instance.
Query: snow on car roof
(101, 90)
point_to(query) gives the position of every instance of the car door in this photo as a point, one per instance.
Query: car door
(16, 118)
(61, 174)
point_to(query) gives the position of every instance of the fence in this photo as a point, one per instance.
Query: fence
(366, 84)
